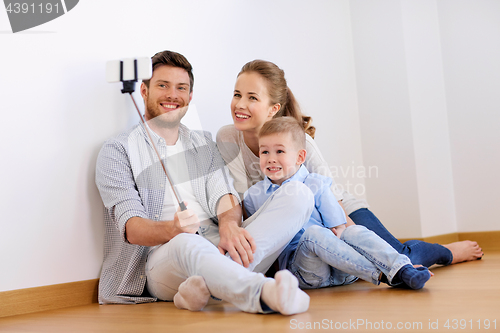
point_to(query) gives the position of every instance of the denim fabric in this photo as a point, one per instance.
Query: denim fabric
(324, 260)
(272, 227)
(419, 252)
(326, 213)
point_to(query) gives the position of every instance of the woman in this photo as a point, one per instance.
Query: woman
(261, 93)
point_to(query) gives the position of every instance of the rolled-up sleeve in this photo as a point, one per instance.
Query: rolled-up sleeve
(330, 210)
(114, 179)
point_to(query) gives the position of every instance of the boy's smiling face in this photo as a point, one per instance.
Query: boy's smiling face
(280, 158)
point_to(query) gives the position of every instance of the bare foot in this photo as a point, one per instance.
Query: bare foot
(193, 294)
(464, 251)
(283, 294)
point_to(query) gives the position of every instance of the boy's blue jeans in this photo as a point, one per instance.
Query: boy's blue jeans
(419, 252)
(323, 260)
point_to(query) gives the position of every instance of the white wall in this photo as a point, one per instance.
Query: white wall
(429, 117)
(57, 109)
(427, 80)
(470, 34)
(340, 57)
(385, 114)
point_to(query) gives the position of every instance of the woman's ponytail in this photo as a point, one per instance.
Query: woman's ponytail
(291, 108)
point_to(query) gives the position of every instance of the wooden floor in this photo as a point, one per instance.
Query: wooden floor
(463, 297)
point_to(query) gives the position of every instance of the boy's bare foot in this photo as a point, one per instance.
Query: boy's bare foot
(283, 294)
(464, 251)
(193, 294)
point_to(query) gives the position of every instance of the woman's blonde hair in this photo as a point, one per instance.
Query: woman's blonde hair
(279, 92)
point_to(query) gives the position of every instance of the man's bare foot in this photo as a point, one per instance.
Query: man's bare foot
(193, 294)
(283, 294)
(464, 251)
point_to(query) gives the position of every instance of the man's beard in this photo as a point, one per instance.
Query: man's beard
(170, 119)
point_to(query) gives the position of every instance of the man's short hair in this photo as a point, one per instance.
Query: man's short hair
(174, 59)
(285, 125)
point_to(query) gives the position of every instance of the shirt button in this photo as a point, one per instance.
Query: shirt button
(157, 216)
(161, 185)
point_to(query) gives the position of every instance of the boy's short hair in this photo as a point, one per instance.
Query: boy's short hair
(285, 125)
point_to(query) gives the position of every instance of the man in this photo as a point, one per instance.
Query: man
(151, 251)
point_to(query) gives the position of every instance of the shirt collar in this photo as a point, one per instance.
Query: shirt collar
(299, 176)
(184, 136)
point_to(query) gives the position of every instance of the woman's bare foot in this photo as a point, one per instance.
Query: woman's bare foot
(464, 251)
(283, 294)
(193, 294)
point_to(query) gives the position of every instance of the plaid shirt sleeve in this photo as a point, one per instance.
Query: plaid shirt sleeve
(122, 276)
(114, 179)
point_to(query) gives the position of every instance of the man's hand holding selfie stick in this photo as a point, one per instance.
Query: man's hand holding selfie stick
(186, 220)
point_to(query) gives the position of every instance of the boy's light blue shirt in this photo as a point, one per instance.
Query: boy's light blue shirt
(327, 213)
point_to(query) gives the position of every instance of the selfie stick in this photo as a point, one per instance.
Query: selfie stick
(129, 87)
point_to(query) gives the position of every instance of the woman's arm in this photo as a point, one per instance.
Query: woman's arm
(227, 143)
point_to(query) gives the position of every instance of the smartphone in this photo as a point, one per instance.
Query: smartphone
(126, 69)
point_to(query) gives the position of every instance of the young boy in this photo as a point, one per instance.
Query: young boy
(325, 253)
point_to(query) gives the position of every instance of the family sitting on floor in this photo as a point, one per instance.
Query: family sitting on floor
(262, 193)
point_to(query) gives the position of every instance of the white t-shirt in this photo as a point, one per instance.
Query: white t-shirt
(177, 168)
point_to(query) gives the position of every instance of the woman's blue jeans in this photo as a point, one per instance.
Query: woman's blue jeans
(419, 252)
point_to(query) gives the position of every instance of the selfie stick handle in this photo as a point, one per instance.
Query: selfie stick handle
(129, 87)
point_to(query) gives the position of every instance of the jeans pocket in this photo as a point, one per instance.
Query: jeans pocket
(308, 280)
(211, 233)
